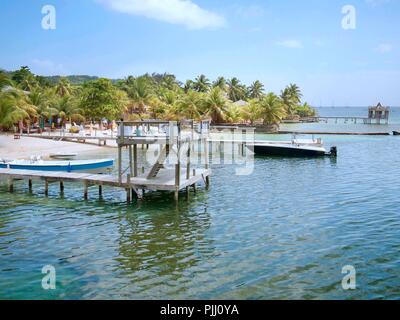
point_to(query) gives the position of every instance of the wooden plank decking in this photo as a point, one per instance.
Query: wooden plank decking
(165, 180)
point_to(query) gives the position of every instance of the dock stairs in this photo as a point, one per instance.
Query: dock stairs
(159, 163)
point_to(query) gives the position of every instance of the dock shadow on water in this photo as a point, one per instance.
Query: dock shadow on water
(284, 231)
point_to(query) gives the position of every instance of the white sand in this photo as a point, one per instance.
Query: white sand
(11, 149)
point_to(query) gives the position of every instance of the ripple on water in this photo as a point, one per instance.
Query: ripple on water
(283, 232)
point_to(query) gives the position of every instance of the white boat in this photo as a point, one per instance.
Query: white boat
(69, 166)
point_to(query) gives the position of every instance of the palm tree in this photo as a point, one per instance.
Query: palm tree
(189, 105)
(236, 91)
(295, 93)
(272, 110)
(4, 80)
(256, 90)
(68, 109)
(139, 91)
(215, 105)
(63, 87)
(287, 101)
(305, 110)
(42, 102)
(189, 85)
(220, 83)
(251, 112)
(13, 108)
(201, 84)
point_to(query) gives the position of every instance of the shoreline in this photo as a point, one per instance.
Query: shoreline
(11, 149)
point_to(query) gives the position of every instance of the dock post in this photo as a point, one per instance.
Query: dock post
(188, 162)
(128, 181)
(206, 153)
(130, 160)
(119, 164)
(30, 185)
(46, 187)
(85, 190)
(62, 186)
(177, 180)
(100, 190)
(128, 195)
(11, 184)
(135, 164)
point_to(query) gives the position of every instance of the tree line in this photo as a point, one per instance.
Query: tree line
(28, 98)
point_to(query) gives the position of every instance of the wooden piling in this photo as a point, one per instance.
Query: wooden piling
(46, 187)
(100, 191)
(62, 186)
(135, 164)
(85, 190)
(11, 184)
(30, 185)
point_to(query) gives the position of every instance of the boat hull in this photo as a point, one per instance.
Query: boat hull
(271, 150)
(68, 166)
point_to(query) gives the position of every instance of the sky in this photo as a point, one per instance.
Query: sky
(338, 56)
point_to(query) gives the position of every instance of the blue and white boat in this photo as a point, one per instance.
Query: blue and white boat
(68, 166)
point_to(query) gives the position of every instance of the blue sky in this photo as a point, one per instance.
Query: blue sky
(277, 42)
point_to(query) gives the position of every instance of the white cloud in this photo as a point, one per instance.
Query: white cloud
(291, 43)
(182, 12)
(384, 48)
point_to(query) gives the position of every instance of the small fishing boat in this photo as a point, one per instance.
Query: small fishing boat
(62, 155)
(291, 150)
(68, 166)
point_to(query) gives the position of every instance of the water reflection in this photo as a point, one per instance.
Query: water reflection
(165, 242)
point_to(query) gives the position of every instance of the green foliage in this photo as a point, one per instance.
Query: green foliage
(101, 99)
(305, 110)
(272, 110)
(236, 90)
(28, 97)
(256, 90)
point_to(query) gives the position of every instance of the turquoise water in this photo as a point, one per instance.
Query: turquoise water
(283, 232)
(347, 126)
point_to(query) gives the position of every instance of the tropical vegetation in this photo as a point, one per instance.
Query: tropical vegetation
(27, 99)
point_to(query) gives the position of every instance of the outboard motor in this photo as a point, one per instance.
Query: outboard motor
(333, 152)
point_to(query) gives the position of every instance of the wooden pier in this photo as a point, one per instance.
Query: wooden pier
(165, 181)
(172, 171)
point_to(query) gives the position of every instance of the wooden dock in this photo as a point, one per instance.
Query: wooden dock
(101, 140)
(336, 133)
(134, 187)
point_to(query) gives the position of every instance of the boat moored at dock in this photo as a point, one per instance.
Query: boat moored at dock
(291, 150)
(68, 166)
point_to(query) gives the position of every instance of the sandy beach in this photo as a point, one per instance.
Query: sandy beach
(26, 147)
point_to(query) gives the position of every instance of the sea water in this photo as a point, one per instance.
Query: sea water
(283, 232)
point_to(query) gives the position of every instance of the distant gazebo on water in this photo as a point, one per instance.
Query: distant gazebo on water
(378, 113)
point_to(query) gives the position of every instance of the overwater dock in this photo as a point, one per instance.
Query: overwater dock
(167, 180)
(172, 170)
